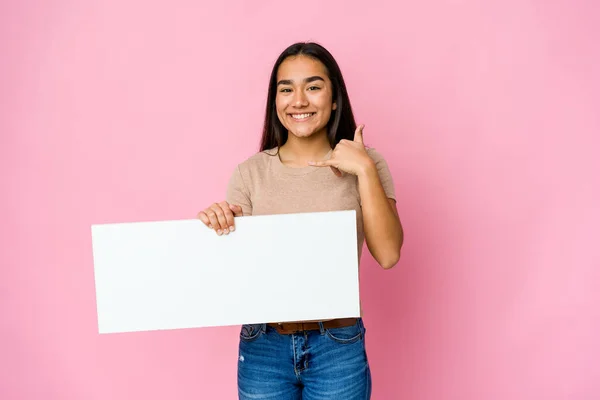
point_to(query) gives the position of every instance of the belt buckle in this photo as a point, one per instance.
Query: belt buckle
(282, 329)
(292, 327)
(298, 327)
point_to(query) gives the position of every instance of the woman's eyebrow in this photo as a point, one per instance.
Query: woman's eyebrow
(306, 80)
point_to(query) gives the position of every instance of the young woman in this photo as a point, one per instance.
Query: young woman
(312, 159)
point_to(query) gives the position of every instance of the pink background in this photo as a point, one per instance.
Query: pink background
(487, 112)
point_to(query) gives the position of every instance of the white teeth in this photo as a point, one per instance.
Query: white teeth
(301, 116)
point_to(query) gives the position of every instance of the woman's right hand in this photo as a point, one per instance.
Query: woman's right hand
(219, 216)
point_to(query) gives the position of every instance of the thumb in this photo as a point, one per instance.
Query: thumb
(358, 136)
(237, 210)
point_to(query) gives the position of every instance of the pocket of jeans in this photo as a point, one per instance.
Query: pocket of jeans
(250, 332)
(345, 335)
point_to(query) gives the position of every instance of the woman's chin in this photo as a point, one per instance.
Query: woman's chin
(303, 134)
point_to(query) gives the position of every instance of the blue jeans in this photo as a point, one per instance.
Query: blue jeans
(325, 365)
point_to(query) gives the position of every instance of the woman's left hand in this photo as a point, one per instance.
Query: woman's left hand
(348, 156)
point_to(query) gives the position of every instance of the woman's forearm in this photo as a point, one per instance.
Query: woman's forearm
(382, 227)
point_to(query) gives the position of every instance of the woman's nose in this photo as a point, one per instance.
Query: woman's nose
(300, 99)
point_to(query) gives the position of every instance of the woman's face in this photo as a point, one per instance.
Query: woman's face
(304, 96)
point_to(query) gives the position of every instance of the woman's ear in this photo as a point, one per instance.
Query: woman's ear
(334, 106)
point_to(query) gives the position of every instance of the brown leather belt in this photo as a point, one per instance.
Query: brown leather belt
(287, 328)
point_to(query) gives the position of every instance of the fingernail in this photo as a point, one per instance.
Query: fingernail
(219, 232)
(232, 228)
(210, 226)
(226, 231)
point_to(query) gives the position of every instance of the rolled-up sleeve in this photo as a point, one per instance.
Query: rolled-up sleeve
(238, 193)
(387, 181)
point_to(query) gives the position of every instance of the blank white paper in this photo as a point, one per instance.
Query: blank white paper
(180, 274)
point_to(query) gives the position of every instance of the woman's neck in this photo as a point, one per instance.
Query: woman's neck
(297, 152)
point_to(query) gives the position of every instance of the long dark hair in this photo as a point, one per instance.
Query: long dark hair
(341, 124)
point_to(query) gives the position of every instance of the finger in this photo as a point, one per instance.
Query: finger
(326, 163)
(336, 171)
(237, 210)
(358, 136)
(204, 218)
(222, 221)
(228, 216)
(214, 222)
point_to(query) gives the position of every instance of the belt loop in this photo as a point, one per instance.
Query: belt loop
(321, 328)
(264, 328)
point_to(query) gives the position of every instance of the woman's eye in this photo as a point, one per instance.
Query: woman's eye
(314, 88)
(285, 90)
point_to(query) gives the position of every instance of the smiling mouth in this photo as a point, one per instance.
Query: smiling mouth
(301, 117)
